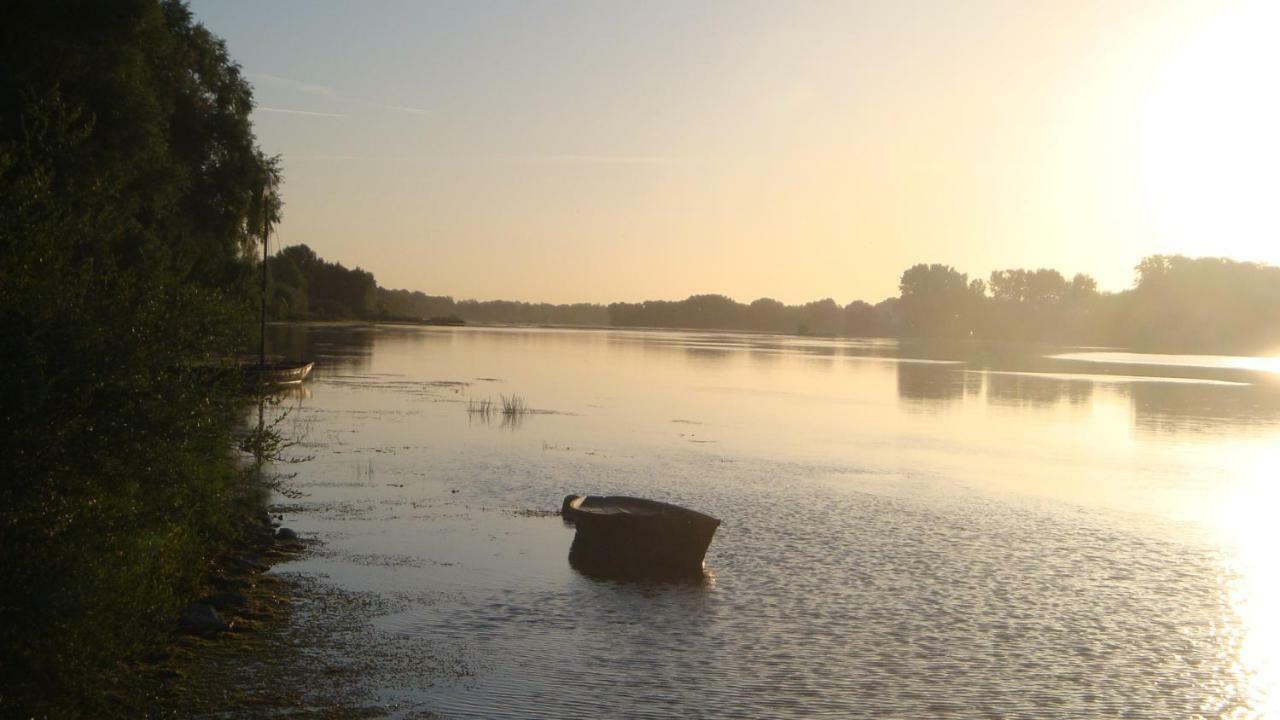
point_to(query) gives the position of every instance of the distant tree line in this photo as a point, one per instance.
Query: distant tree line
(304, 286)
(414, 306)
(1176, 303)
(821, 317)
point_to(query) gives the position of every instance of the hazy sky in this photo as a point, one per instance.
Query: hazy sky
(798, 150)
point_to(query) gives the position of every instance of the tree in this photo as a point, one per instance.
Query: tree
(1202, 304)
(129, 186)
(938, 300)
(1038, 288)
(821, 317)
(1082, 287)
(767, 314)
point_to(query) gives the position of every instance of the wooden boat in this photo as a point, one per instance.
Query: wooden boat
(277, 373)
(634, 538)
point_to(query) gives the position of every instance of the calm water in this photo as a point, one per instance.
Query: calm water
(908, 531)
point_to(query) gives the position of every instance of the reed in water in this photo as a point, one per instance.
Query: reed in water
(508, 406)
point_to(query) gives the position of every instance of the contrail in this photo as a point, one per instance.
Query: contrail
(288, 111)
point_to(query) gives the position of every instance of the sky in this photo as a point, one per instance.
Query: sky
(606, 151)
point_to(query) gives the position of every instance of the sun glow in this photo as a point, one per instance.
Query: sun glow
(1210, 147)
(1248, 523)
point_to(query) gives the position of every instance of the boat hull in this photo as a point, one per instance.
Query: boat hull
(275, 374)
(633, 538)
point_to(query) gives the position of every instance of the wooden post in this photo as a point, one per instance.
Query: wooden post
(266, 230)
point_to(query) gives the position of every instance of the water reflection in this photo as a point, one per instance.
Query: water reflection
(1248, 522)
(337, 349)
(934, 384)
(1195, 408)
(711, 355)
(1270, 365)
(705, 580)
(926, 530)
(499, 420)
(1182, 401)
(1019, 389)
(294, 393)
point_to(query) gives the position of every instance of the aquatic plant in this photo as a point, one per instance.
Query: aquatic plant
(508, 406)
(513, 406)
(512, 409)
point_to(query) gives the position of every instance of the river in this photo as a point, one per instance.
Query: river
(909, 530)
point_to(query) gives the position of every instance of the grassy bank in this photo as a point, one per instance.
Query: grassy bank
(97, 569)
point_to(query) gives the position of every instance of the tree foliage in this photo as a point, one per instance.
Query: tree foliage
(320, 289)
(129, 179)
(938, 300)
(1177, 303)
(1041, 305)
(1212, 304)
(820, 317)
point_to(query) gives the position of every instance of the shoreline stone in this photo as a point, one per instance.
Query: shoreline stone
(202, 619)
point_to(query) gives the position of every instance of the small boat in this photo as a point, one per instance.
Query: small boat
(634, 538)
(277, 373)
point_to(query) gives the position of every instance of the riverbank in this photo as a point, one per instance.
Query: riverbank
(296, 646)
(250, 645)
(238, 605)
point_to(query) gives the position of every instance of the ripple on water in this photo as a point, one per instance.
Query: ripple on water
(915, 600)
(851, 605)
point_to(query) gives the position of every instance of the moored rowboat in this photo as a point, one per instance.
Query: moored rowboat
(278, 373)
(628, 537)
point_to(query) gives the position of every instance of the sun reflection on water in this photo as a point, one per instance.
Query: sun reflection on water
(1030, 539)
(1251, 533)
(1259, 363)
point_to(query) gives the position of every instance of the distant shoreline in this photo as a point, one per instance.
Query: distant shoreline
(930, 342)
(1177, 304)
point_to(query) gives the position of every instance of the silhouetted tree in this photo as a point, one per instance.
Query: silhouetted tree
(1035, 289)
(769, 315)
(130, 192)
(822, 317)
(1214, 304)
(331, 290)
(1226, 301)
(937, 300)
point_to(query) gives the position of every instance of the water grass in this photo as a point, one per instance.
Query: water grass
(513, 406)
(482, 408)
(508, 405)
